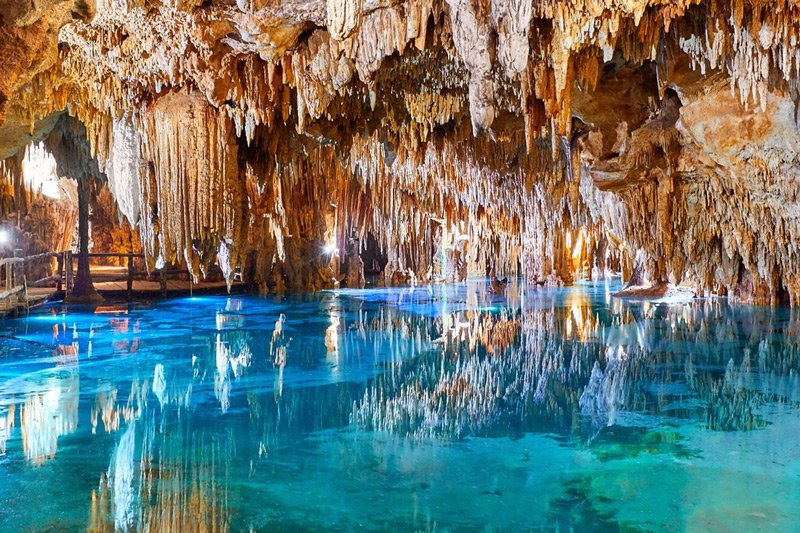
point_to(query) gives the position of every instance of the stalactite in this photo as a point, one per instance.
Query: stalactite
(194, 202)
(124, 169)
(509, 137)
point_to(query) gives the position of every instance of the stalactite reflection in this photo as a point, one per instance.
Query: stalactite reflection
(7, 421)
(171, 481)
(232, 351)
(49, 413)
(106, 409)
(525, 368)
(254, 393)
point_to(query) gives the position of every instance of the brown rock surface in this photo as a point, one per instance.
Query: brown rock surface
(549, 139)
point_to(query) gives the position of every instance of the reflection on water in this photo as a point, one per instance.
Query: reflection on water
(7, 419)
(164, 481)
(433, 408)
(48, 414)
(232, 352)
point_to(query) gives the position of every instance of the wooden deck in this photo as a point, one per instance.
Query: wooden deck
(109, 279)
(154, 287)
(10, 305)
(17, 294)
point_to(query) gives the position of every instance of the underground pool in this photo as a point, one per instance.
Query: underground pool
(443, 408)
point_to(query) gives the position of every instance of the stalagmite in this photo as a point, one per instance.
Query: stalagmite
(83, 289)
(71, 151)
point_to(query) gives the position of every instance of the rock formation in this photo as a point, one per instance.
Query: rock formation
(551, 139)
(68, 144)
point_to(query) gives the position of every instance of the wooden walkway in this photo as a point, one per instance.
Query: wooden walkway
(16, 294)
(155, 288)
(109, 279)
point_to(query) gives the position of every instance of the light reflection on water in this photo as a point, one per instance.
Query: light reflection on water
(434, 408)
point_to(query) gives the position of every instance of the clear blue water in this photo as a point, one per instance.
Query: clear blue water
(444, 408)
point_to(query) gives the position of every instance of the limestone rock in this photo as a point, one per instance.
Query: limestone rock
(552, 140)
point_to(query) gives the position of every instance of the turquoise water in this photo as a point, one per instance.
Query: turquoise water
(434, 409)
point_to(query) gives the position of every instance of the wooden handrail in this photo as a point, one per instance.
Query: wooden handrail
(28, 259)
(11, 292)
(115, 254)
(14, 270)
(11, 261)
(49, 255)
(45, 255)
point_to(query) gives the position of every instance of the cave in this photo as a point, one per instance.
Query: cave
(408, 265)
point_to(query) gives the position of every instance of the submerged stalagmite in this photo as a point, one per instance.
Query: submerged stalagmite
(552, 140)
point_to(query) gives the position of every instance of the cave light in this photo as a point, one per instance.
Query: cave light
(578, 248)
(39, 171)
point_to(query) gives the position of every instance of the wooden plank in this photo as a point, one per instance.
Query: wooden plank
(11, 292)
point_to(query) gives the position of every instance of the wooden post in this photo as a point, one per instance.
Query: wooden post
(83, 289)
(68, 271)
(162, 280)
(7, 266)
(25, 292)
(17, 274)
(59, 271)
(130, 276)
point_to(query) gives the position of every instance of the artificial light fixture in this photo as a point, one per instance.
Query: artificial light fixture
(330, 248)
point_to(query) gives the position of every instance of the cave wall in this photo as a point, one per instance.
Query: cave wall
(551, 139)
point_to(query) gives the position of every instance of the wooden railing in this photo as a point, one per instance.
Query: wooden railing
(12, 288)
(66, 268)
(167, 278)
(15, 273)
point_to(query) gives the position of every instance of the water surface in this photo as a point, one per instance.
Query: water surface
(428, 409)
